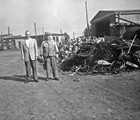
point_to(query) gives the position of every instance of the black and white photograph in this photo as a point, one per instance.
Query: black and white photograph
(69, 60)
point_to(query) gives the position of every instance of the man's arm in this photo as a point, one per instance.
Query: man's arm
(22, 53)
(36, 49)
(41, 49)
(56, 49)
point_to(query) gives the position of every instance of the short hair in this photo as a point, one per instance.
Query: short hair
(27, 31)
(48, 34)
(46, 37)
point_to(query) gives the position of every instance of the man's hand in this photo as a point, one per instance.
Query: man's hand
(36, 57)
(56, 56)
(41, 56)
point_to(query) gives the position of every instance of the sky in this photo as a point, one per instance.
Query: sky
(54, 15)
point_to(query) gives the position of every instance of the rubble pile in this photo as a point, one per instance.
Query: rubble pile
(104, 57)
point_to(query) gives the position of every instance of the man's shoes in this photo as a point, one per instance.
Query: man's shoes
(56, 78)
(36, 80)
(51, 78)
(28, 79)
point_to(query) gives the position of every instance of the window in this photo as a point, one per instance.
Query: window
(57, 39)
(53, 38)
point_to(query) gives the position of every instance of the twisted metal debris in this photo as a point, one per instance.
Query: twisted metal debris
(104, 57)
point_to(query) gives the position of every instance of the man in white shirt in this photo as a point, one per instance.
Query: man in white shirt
(27, 42)
(29, 53)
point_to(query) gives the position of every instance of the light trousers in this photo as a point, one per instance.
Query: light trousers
(31, 64)
(51, 67)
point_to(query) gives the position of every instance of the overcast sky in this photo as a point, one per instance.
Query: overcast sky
(53, 15)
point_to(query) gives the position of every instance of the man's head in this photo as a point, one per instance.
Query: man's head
(48, 36)
(27, 33)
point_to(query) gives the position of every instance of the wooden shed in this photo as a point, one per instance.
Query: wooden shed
(114, 23)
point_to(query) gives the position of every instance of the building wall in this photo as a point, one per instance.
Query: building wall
(104, 27)
(93, 30)
(18, 43)
(60, 40)
(113, 30)
(7, 44)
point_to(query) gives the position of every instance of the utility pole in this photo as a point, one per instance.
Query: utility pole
(43, 32)
(35, 28)
(1, 41)
(1, 36)
(61, 31)
(8, 30)
(88, 31)
(73, 35)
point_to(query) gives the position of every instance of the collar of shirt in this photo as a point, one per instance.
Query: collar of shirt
(27, 41)
(49, 41)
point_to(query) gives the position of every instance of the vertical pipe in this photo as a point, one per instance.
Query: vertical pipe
(88, 34)
(8, 30)
(73, 35)
(61, 31)
(43, 32)
(35, 29)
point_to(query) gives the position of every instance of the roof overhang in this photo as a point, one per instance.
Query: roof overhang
(102, 15)
(102, 18)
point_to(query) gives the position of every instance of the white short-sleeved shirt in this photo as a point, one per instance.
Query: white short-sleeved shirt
(27, 42)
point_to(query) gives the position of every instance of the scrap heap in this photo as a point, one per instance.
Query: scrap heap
(105, 56)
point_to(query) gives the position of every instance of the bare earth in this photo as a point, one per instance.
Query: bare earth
(98, 97)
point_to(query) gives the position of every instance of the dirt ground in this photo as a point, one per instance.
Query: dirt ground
(73, 97)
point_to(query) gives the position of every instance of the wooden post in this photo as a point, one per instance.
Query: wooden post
(43, 32)
(88, 31)
(35, 29)
(1, 42)
(8, 30)
(73, 35)
(132, 43)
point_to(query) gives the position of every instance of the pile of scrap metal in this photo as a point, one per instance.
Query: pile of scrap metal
(105, 56)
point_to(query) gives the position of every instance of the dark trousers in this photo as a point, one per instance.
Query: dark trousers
(51, 65)
(28, 65)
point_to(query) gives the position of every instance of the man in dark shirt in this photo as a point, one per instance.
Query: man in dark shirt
(49, 51)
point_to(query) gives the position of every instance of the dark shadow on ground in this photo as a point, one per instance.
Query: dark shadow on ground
(24, 77)
(18, 78)
(41, 78)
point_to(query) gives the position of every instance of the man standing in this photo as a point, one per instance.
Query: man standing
(29, 53)
(49, 51)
